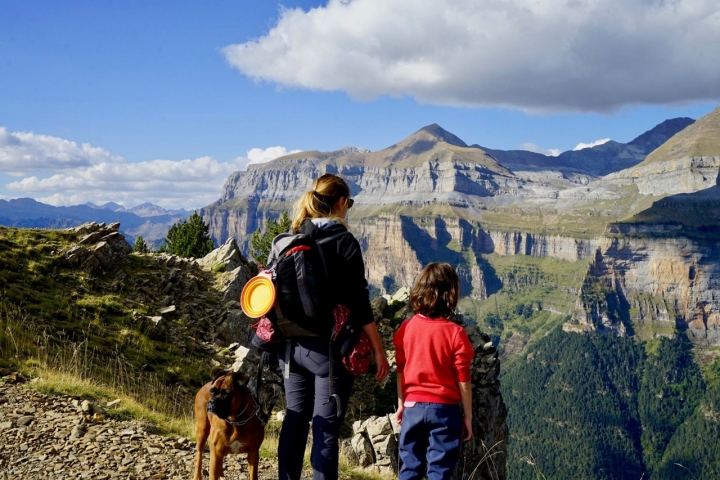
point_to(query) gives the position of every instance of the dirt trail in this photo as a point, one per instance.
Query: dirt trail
(50, 437)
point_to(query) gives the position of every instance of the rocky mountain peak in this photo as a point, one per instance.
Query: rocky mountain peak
(350, 150)
(660, 134)
(434, 133)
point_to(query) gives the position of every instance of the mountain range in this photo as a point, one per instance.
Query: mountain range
(148, 220)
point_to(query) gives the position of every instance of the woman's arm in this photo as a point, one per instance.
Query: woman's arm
(381, 361)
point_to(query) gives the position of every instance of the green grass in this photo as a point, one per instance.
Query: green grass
(68, 321)
(536, 295)
(588, 218)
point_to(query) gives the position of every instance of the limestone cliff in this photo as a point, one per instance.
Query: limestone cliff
(669, 177)
(650, 287)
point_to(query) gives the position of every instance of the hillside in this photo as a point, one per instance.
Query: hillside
(599, 407)
(137, 320)
(697, 140)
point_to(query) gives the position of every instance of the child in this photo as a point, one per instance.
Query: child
(433, 377)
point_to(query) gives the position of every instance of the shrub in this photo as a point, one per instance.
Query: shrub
(189, 238)
(261, 241)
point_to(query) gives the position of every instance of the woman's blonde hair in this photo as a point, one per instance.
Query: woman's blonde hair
(318, 202)
(436, 291)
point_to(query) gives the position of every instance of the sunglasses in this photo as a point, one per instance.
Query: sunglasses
(350, 203)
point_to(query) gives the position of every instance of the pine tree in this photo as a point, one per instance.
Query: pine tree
(140, 245)
(261, 241)
(189, 238)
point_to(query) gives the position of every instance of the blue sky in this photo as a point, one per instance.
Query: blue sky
(134, 101)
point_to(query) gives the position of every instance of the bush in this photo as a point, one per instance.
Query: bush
(140, 245)
(189, 238)
(261, 241)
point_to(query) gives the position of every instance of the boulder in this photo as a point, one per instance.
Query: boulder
(234, 269)
(227, 255)
(363, 450)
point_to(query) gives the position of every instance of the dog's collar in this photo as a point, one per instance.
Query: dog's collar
(254, 413)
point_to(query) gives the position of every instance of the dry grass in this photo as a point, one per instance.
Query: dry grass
(73, 368)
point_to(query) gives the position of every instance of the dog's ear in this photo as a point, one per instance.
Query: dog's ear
(240, 379)
(217, 373)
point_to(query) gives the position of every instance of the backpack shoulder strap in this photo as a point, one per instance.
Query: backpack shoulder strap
(280, 243)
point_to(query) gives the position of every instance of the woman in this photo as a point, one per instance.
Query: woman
(321, 213)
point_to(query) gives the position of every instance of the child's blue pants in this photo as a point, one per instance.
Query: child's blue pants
(430, 435)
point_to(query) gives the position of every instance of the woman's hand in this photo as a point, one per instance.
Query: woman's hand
(383, 367)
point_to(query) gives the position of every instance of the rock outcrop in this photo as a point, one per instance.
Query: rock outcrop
(99, 247)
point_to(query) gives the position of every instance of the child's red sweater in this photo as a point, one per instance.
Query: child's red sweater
(432, 355)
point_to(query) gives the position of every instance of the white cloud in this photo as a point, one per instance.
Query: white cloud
(586, 55)
(531, 147)
(258, 155)
(23, 152)
(171, 184)
(65, 174)
(581, 145)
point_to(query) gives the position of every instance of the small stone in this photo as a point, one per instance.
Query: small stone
(78, 431)
(25, 421)
(112, 404)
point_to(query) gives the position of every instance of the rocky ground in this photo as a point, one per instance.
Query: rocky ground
(57, 437)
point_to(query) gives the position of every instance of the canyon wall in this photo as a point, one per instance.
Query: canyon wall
(649, 286)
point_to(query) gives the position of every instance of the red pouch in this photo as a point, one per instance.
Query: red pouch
(265, 338)
(355, 349)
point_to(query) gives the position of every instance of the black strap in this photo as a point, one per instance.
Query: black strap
(333, 396)
(262, 414)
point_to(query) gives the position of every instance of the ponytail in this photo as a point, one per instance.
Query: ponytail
(319, 202)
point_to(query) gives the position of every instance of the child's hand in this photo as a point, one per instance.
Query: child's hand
(399, 414)
(466, 429)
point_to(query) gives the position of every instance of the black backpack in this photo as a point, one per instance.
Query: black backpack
(303, 304)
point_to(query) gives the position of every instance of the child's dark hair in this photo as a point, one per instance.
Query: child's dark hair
(436, 291)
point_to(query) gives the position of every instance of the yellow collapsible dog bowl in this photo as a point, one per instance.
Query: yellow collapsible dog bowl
(258, 296)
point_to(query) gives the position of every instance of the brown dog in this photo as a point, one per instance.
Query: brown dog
(227, 413)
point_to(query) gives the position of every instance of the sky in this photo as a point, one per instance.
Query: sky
(160, 101)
